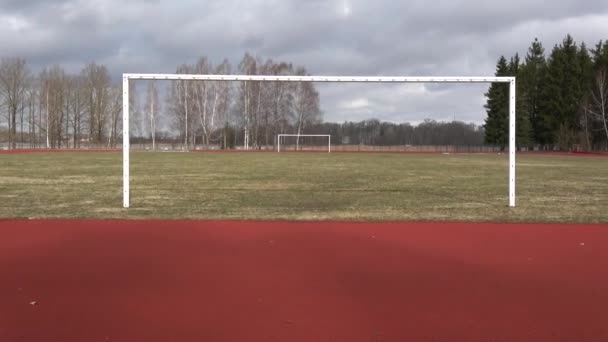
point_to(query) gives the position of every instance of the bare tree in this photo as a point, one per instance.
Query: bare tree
(153, 107)
(13, 77)
(211, 99)
(264, 105)
(599, 99)
(282, 99)
(32, 94)
(593, 114)
(96, 85)
(305, 105)
(136, 114)
(114, 111)
(180, 104)
(201, 98)
(55, 89)
(247, 99)
(77, 99)
(220, 96)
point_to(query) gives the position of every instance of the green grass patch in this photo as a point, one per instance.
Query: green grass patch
(304, 186)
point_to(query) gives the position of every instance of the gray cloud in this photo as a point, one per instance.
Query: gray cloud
(340, 37)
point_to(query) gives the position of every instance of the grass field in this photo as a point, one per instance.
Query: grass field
(304, 186)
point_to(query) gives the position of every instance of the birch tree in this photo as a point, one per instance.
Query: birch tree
(221, 100)
(201, 99)
(180, 103)
(264, 103)
(282, 99)
(96, 85)
(76, 108)
(306, 109)
(13, 77)
(598, 103)
(153, 108)
(32, 94)
(54, 83)
(136, 114)
(246, 105)
(114, 109)
(212, 99)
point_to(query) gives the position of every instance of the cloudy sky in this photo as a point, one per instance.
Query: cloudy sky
(329, 37)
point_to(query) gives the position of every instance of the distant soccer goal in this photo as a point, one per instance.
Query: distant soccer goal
(304, 142)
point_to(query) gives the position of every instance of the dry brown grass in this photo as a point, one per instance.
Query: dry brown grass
(304, 186)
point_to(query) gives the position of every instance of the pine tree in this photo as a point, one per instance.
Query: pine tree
(586, 65)
(572, 93)
(583, 125)
(496, 124)
(532, 76)
(561, 95)
(600, 55)
(550, 98)
(522, 124)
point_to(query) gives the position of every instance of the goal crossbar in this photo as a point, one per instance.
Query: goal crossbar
(345, 79)
(279, 136)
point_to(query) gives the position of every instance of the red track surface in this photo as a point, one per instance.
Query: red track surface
(45, 150)
(280, 281)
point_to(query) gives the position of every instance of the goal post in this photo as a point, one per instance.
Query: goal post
(341, 79)
(298, 136)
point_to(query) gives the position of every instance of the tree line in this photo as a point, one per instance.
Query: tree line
(562, 98)
(251, 114)
(55, 109)
(205, 113)
(374, 132)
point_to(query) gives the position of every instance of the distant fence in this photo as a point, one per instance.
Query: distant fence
(28, 146)
(417, 148)
(178, 147)
(289, 147)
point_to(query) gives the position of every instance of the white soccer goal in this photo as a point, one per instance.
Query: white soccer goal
(298, 136)
(358, 79)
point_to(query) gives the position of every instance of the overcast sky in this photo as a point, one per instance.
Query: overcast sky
(333, 37)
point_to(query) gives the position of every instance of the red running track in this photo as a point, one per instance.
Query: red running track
(283, 281)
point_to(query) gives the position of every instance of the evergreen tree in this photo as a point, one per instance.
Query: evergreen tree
(496, 124)
(561, 95)
(532, 76)
(586, 65)
(550, 102)
(572, 93)
(553, 96)
(522, 124)
(600, 55)
(583, 124)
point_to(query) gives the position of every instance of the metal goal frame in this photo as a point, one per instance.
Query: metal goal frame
(341, 79)
(279, 136)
